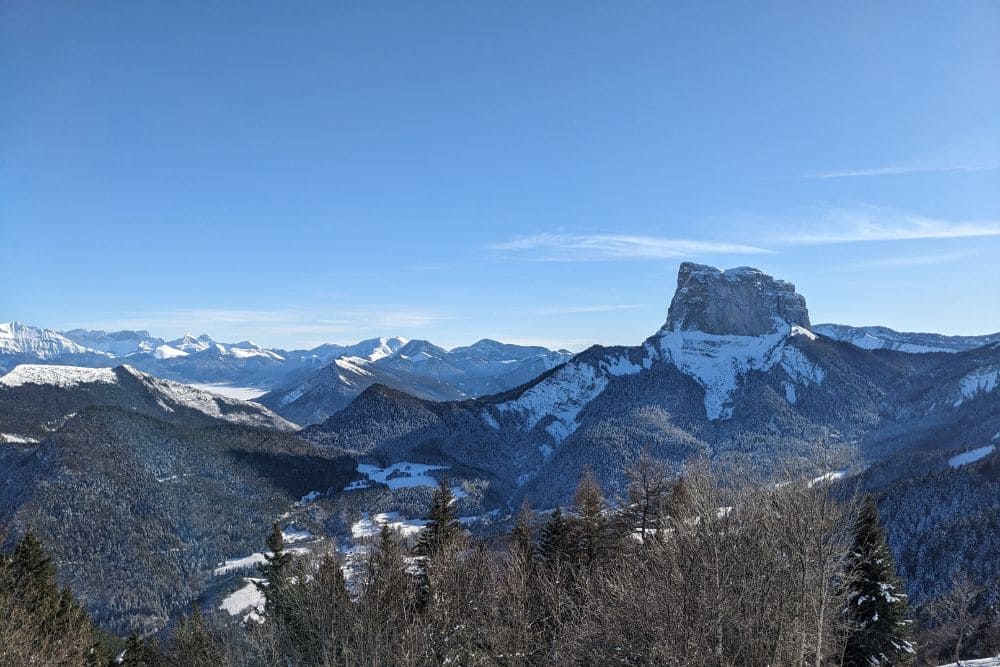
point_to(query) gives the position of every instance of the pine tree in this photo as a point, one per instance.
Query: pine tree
(34, 572)
(273, 571)
(558, 545)
(442, 524)
(193, 643)
(876, 606)
(139, 653)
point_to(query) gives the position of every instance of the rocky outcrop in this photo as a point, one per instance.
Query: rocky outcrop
(738, 302)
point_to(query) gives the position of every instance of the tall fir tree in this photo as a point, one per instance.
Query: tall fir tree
(558, 544)
(442, 524)
(876, 605)
(274, 572)
(194, 643)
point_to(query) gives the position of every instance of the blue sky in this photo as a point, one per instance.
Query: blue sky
(533, 172)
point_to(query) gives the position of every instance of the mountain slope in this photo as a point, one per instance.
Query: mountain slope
(139, 486)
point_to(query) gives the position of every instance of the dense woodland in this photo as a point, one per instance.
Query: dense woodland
(681, 572)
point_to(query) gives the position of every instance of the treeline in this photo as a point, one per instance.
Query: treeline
(683, 572)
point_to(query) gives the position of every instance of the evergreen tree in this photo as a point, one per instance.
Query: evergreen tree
(558, 545)
(876, 606)
(274, 571)
(34, 573)
(139, 653)
(442, 524)
(193, 643)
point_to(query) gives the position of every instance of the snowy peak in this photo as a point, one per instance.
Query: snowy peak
(740, 302)
(17, 338)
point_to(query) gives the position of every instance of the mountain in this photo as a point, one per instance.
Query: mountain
(877, 338)
(116, 343)
(418, 368)
(20, 343)
(735, 376)
(139, 487)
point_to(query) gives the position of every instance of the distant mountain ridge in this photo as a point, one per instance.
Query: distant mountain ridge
(422, 367)
(879, 338)
(418, 368)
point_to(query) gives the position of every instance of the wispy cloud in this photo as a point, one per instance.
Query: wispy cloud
(880, 224)
(904, 169)
(910, 261)
(575, 310)
(611, 247)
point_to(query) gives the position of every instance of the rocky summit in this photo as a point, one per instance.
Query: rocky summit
(743, 302)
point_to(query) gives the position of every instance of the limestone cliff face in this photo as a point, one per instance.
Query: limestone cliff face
(739, 302)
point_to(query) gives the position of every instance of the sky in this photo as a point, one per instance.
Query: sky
(300, 173)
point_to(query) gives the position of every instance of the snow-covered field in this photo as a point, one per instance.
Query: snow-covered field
(400, 475)
(970, 456)
(229, 391)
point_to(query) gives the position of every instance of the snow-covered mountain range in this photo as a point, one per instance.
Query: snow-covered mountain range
(418, 368)
(303, 386)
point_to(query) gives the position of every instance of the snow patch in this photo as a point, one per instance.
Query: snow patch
(490, 420)
(65, 377)
(802, 331)
(980, 380)
(561, 396)
(246, 598)
(719, 362)
(620, 366)
(371, 526)
(13, 439)
(971, 456)
(827, 478)
(396, 476)
(229, 391)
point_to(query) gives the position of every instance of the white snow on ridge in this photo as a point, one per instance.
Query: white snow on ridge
(562, 396)
(971, 456)
(802, 331)
(984, 379)
(799, 368)
(14, 439)
(229, 391)
(65, 377)
(717, 362)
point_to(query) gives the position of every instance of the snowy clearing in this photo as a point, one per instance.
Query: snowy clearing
(17, 439)
(396, 476)
(242, 599)
(971, 456)
(229, 391)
